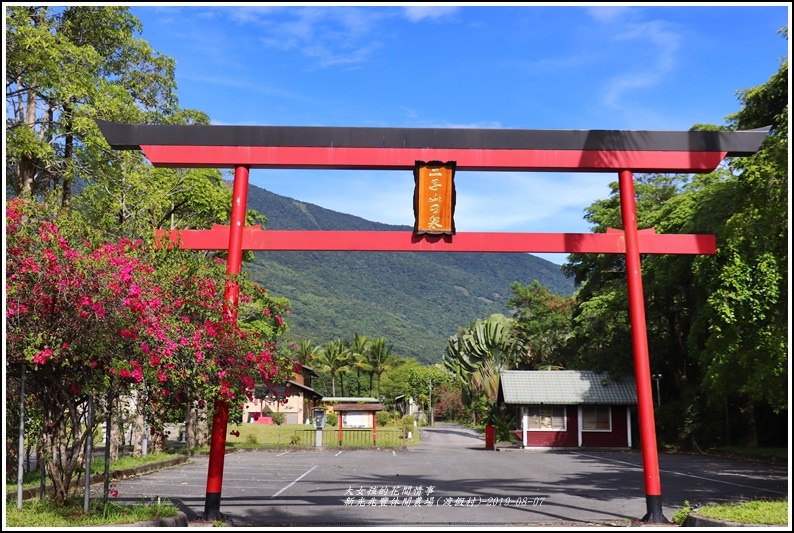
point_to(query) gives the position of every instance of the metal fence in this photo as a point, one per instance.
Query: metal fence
(356, 437)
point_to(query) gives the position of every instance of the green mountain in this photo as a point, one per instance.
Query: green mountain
(414, 300)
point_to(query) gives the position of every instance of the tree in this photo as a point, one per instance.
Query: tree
(478, 354)
(447, 403)
(333, 359)
(544, 322)
(66, 66)
(742, 333)
(717, 325)
(381, 358)
(84, 318)
(601, 329)
(359, 359)
(306, 350)
(397, 382)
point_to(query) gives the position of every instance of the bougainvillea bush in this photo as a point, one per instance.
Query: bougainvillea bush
(90, 319)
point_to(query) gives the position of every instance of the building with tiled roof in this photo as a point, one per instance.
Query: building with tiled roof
(569, 408)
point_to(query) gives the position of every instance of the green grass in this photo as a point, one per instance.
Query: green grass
(770, 513)
(44, 513)
(33, 480)
(760, 512)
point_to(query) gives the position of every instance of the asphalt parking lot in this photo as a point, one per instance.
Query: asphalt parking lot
(451, 480)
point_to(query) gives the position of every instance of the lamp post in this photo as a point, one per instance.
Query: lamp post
(657, 378)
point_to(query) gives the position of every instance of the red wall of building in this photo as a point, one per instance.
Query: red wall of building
(617, 437)
(566, 438)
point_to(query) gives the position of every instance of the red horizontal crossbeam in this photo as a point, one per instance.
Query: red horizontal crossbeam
(302, 157)
(613, 242)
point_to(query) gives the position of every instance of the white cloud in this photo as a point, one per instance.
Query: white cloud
(332, 36)
(419, 13)
(657, 64)
(609, 14)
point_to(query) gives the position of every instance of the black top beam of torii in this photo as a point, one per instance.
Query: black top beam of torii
(191, 146)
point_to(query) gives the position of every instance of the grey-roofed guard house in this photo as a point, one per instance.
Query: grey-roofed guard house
(569, 408)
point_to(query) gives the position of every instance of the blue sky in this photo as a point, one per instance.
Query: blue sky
(526, 66)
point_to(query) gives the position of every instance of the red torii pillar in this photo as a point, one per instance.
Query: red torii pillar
(625, 152)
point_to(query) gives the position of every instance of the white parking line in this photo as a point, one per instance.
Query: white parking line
(338, 454)
(684, 475)
(282, 453)
(291, 484)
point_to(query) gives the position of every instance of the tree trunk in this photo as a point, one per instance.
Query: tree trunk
(157, 442)
(114, 436)
(137, 435)
(752, 429)
(202, 426)
(27, 167)
(190, 426)
(68, 152)
(63, 456)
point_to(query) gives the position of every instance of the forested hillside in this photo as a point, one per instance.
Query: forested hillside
(414, 300)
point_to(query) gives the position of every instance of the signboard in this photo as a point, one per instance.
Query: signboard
(434, 197)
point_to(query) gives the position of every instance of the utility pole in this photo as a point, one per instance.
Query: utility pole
(430, 402)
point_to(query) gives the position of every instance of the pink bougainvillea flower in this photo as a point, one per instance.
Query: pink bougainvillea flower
(41, 357)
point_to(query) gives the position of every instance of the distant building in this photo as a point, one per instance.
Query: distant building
(405, 405)
(296, 400)
(568, 408)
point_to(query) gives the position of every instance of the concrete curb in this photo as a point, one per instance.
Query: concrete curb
(180, 520)
(696, 520)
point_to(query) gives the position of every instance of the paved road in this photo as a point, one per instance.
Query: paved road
(451, 480)
(450, 435)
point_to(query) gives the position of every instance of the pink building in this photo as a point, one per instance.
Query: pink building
(296, 400)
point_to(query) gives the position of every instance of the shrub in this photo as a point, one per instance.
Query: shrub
(278, 418)
(383, 418)
(295, 440)
(251, 439)
(331, 419)
(682, 513)
(408, 420)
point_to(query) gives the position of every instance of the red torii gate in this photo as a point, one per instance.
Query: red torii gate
(624, 152)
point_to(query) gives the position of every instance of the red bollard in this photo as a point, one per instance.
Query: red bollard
(489, 437)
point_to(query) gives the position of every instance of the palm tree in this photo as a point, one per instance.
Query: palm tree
(307, 352)
(478, 354)
(333, 359)
(359, 360)
(381, 358)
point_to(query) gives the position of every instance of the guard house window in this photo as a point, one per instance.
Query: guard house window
(596, 418)
(546, 418)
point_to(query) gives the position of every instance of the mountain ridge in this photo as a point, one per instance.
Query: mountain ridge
(414, 300)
